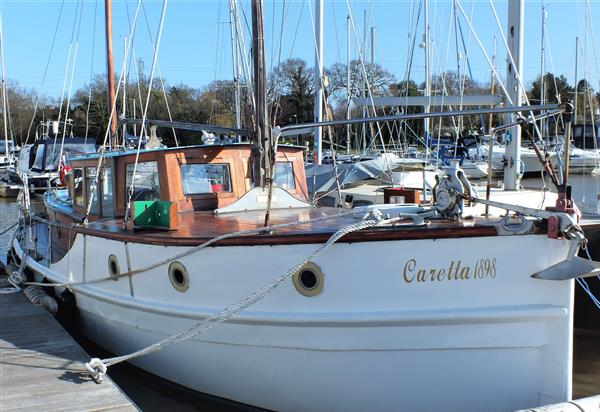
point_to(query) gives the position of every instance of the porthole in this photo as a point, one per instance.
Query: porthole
(113, 267)
(179, 277)
(309, 280)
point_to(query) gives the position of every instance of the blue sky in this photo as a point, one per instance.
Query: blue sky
(195, 47)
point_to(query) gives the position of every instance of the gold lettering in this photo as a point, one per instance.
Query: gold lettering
(482, 269)
(410, 266)
(441, 275)
(432, 273)
(455, 275)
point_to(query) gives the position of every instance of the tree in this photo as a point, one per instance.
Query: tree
(374, 75)
(291, 92)
(557, 89)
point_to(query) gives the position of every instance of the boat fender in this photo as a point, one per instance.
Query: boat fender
(39, 297)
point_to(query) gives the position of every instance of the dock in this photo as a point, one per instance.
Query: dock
(42, 367)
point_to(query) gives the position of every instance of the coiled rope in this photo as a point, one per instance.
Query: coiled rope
(98, 367)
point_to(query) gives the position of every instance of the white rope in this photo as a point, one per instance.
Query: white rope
(98, 367)
(189, 251)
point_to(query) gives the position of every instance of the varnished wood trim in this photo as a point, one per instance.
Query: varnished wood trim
(371, 235)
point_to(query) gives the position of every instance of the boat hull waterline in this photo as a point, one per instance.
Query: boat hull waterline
(405, 325)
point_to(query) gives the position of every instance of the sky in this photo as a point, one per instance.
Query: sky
(195, 46)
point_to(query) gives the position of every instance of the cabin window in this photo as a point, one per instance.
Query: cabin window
(107, 191)
(205, 178)
(146, 185)
(91, 190)
(78, 186)
(284, 175)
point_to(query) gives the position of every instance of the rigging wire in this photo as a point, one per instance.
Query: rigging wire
(512, 62)
(62, 96)
(160, 77)
(62, 143)
(50, 54)
(87, 110)
(113, 110)
(145, 112)
(5, 108)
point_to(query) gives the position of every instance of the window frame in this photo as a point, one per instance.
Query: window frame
(98, 191)
(83, 194)
(224, 193)
(127, 185)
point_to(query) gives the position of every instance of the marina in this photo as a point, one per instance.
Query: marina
(302, 238)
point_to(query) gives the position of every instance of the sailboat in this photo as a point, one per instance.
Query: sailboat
(211, 261)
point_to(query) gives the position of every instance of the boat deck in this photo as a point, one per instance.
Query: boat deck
(198, 227)
(41, 365)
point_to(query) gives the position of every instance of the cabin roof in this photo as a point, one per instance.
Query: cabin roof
(117, 154)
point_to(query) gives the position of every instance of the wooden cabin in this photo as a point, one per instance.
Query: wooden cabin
(200, 178)
(186, 179)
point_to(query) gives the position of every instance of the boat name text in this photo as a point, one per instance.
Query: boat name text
(484, 268)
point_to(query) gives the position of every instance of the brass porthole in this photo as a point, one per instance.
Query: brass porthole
(113, 267)
(309, 280)
(179, 277)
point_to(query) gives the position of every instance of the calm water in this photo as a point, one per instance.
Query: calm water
(153, 394)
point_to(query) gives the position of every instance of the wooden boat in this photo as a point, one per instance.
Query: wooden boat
(280, 304)
(384, 317)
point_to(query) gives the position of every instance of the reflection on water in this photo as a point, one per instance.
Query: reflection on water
(585, 190)
(151, 393)
(8, 216)
(586, 363)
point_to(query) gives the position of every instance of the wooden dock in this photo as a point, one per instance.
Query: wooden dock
(41, 366)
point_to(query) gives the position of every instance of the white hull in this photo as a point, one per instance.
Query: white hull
(375, 339)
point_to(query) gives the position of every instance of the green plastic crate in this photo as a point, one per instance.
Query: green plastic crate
(151, 214)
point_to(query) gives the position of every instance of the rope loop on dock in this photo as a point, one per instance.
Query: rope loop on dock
(98, 367)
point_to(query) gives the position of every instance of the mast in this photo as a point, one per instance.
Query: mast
(124, 109)
(318, 132)
(516, 14)
(4, 99)
(348, 83)
(542, 71)
(236, 66)
(110, 72)
(575, 99)
(262, 145)
(427, 83)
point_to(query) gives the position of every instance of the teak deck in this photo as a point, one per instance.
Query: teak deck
(41, 365)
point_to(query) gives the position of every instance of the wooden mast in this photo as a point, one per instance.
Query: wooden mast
(262, 145)
(110, 72)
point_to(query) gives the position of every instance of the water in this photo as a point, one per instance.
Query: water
(151, 393)
(8, 216)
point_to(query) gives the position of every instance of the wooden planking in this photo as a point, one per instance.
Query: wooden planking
(42, 367)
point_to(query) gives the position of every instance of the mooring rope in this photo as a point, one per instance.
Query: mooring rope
(190, 251)
(98, 367)
(583, 283)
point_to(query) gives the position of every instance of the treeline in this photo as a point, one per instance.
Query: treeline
(290, 94)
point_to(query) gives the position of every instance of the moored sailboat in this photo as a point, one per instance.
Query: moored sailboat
(373, 308)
